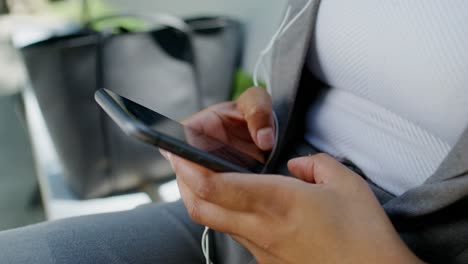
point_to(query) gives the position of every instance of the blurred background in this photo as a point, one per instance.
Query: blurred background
(59, 155)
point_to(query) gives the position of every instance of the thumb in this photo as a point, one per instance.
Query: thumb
(256, 107)
(319, 169)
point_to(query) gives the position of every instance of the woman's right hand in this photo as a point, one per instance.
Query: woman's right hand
(246, 124)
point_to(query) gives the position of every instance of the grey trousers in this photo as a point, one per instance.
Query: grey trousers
(149, 234)
(158, 233)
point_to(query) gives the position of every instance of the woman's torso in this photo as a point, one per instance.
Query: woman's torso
(399, 77)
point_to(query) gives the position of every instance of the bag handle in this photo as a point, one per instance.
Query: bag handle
(85, 11)
(156, 19)
(161, 19)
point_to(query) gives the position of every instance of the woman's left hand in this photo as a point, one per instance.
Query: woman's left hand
(328, 214)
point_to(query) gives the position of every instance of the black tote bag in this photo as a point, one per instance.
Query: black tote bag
(157, 68)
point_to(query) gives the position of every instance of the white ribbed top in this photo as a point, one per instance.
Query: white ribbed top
(399, 72)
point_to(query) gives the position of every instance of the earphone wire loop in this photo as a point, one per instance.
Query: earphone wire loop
(205, 245)
(267, 49)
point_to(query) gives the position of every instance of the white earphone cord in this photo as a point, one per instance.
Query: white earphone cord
(283, 28)
(264, 52)
(205, 245)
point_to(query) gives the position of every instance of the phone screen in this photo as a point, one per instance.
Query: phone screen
(167, 127)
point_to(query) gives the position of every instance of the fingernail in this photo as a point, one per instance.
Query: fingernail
(266, 138)
(163, 153)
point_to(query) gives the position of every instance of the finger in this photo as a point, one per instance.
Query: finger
(225, 123)
(216, 217)
(303, 168)
(228, 109)
(256, 107)
(209, 122)
(164, 153)
(216, 147)
(209, 186)
(241, 192)
(208, 214)
(320, 169)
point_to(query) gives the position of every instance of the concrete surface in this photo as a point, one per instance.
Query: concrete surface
(17, 176)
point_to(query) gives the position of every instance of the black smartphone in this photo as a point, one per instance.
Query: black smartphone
(160, 131)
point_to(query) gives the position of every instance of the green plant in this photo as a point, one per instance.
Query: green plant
(243, 81)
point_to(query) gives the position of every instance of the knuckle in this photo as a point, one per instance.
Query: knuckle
(321, 157)
(282, 205)
(205, 189)
(193, 209)
(267, 246)
(252, 91)
(259, 110)
(309, 167)
(245, 95)
(270, 245)
(259, 91)
(291, 226)
(286, 228)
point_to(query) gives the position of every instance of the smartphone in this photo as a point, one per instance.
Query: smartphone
(160, 131)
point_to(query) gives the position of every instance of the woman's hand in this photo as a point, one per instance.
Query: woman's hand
(246, 124)
(327, 215)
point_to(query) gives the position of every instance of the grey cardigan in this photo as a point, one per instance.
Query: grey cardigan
(433, 218)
